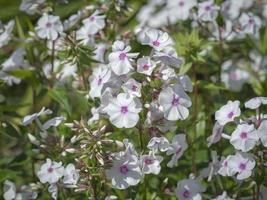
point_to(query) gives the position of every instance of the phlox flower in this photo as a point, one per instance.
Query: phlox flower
(120, 59)
(124, 172)
(256, 102)
(158, 143)
(242, 164)
(30, 6)
(49, 27)
(250, 24)
(176, 149)
(86, 35)
(145, 65)
(228, 112)
(132, 87)
(231, 8)
(207, 11)
(71, 175)
(216, 134)
(174, 102)
(180, 9)
(53, 189)
(225, 169)
(123, 111)
(99, 52)
(189, 189)
(223, 196)
(95, 22)
(6, 33)
(29, 118)
(262, 132)
(100, 76)
(50, 172)
(150, 164)
(157, 39)
(244, 137)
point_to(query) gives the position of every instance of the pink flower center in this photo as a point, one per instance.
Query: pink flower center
(233, 76)
(156, 43)
(208, 8)
(149, 161)
(175, 101)
(145, 66)
(230, 115)
(225, 164)
(181, 3)
(122, 56)
(134, 88)
(186, 194)
(48, 25)
(50, 170)
(178, 150)
(244, 135)
(251, 21)
(242, 166)
(124, 109)
(124, 169)
(92, 18)
(99, 81)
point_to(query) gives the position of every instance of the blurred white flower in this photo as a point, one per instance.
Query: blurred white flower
(150, 164)
(158, 143)
(124, 172)
(100, 76)
(176, 149)
(157, 39)
(180, 9)
(250, 24)
(6, 33)
(49, 27)
(123, 111)
(168, 56)
(174, 102)
(145, 65)
(225, 170)
(100, 52)
(231, 8)
(242, 164)
(132, 87)
(216, 134)
(86, 36)
(120, 59)
(256, 102)
(53, 122)
(71, 175)
(29, 118)
(228, 112)
(95, 22)
(262, 132)
(30, 6)
(53, 189)
(223, 196)
(189, 189)
(207, 11)
(50, 172)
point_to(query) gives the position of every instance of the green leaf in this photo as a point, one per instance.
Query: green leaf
(60, 96)
(185, 68)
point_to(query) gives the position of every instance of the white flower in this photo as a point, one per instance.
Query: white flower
(207, 11)
(95, 22)
(100, 76)
(53, 189)
(176, 149)
(5, 34)
(244, 137)
(120, 59)
(123, 111)
(262, 133)
(231, 8)
(50, 172)
(86, 35)
(9, 190)
(225, 170)
(132, 87)
(213, 167)
(174, 102)
(256, 102)
(158, 143)
(29, 118)
(228, 112)
(223, 196)
(30, 6)
(157, 39)
(71, 175)
(150, 164)
(180, 9)
(145, 65)
(99, 52)
(73, 19)
(216, 134)
(242, 164)
(185, 81)
(250, 23)
(188, 189)
(111, 197)
(125, 172)
(53, 122)
(49, 27)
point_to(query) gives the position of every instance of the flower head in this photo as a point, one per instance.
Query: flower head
(188, 189)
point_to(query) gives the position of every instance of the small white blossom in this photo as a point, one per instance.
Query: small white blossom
(6, 33)
(120, 59)
(188, 189)
(95, 22)
(49, 27)
(207, 11)
(242, 164)
(86, 35)
(157, 39)
(176, 149)
(150, 164)
(123, 111)
(145, 65)
(262, 133)
(225, 170)
(244, 137)
(132, 87)
(174, 102)
(250, 24)
(223, 196)
(30, 6)
(256, 102)
(158, 143)
(180, 9)
(53, 122)
(216, 134)
(228, 112)
(71, 175)
(50, 172)
(29, 118)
